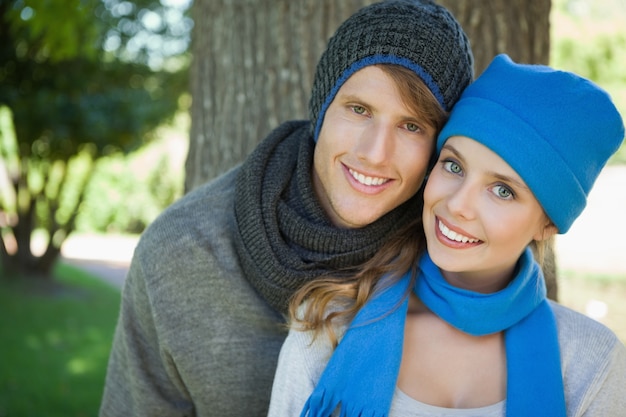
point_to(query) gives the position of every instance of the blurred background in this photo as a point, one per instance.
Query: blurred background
(97, 122)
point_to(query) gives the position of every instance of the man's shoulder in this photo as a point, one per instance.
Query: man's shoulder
(201, 219)
(206, 203)
(218, 191)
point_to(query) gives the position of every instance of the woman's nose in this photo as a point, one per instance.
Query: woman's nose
(462, 202)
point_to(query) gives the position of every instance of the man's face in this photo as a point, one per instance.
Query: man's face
(372, 152)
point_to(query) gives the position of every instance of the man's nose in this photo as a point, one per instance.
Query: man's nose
(376, 144)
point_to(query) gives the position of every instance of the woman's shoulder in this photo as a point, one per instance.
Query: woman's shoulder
(593, 362)
(575, 325)
(317, 341)
(307, 351)
(585, 343)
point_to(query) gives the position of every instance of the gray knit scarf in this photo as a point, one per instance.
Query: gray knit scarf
(284, 238)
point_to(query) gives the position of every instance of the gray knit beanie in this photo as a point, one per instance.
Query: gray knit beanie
(417, 34)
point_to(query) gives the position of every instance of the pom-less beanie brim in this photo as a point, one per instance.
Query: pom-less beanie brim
(417, 34)
(556, 129)
(375, 60)
(524, 150)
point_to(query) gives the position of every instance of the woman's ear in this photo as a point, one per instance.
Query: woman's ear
(546, 232)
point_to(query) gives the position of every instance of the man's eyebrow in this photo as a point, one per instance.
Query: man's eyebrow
(350, 97)
(356, 98)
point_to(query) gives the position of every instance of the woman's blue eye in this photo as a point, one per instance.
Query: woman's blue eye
(452, 166)
(503, 192)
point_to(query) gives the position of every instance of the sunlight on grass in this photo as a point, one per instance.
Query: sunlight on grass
(55, 344)
(78, 366)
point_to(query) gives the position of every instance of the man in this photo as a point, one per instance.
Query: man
(201, 321)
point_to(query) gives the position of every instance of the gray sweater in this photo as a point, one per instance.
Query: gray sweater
(185, 290)
(199, 330)
(593, 362)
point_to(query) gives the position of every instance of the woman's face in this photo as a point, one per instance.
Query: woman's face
(479, 216)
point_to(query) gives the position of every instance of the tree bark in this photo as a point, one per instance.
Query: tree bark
(254, 62)
(253, 68)
(520, 28)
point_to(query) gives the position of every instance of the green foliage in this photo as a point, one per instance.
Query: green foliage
(589, 38)
(82, 81)
(74, 33)
(124, 199)
(85, 28)
(600, 59)
(55, 344)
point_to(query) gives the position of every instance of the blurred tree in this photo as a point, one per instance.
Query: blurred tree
(81, 81)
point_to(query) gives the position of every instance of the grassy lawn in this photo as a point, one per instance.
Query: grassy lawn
(54, 344)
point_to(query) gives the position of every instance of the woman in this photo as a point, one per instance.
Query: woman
(468, 330)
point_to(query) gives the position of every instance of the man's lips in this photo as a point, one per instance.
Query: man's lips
(365, 179)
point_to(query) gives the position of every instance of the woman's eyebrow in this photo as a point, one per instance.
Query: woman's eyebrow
(497, 175)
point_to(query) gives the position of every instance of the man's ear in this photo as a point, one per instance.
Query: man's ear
(546, 232)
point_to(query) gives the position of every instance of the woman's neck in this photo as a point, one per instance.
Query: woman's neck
(484, 282)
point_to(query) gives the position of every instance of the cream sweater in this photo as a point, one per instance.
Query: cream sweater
(593, 362)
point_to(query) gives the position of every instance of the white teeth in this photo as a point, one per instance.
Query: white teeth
(367, 180)
(452, 235)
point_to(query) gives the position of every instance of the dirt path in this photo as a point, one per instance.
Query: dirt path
(105, 256)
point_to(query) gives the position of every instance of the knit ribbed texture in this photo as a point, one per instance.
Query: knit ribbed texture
(284, 238)
(419, 35)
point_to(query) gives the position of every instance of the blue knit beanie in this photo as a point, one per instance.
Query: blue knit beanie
(554, 128)
(417, 34)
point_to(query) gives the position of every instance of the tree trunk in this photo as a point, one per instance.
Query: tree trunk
(520, 28)
(254, 62)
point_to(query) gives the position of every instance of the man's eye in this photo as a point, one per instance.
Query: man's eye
(412, 127)
(359, 109)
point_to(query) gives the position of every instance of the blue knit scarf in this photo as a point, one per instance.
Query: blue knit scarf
(362, 372)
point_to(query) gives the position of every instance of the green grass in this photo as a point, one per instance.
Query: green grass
(54, 344)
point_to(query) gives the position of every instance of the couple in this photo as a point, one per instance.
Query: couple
(200, 325)
(451, 318)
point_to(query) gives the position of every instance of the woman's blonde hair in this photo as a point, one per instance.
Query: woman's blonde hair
(334, 301)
